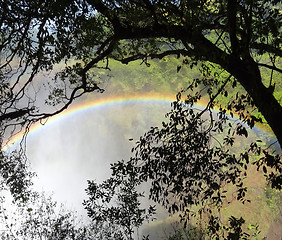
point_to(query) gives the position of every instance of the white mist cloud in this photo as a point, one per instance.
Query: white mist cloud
(69, 151)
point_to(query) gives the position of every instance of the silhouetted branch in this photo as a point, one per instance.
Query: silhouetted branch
(74, 95)
(14, 115)
(157, 55)
(267, 48)
(101, 56)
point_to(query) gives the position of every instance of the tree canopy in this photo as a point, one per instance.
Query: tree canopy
(38, 35)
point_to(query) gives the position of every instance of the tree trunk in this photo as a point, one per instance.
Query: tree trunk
(248, 74)
(266, 103)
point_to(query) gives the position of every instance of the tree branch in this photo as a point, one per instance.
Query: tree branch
(267, 48)
(41, 116)
(100, 57)
(15, 114)
(212, 99)
(157, 55)
(231, 16)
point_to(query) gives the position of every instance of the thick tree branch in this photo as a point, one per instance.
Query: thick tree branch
(154, 31)
(267, 48)
(231, 16)
(156, 55)
(15, 114)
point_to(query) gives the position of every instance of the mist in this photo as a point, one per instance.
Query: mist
(70, 150)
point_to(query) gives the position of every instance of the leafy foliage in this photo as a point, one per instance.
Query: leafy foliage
(15, 175)
(117, 202)
(186, 164)
(40, 218)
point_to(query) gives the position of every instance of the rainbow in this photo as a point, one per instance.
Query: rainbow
(97, 103)
(92, 105)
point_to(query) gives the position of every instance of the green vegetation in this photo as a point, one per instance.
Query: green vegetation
(159, 77)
